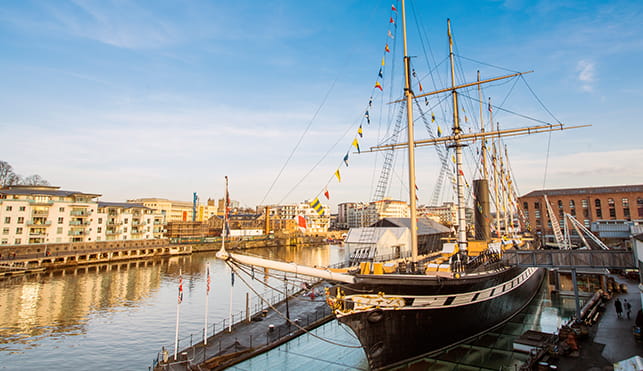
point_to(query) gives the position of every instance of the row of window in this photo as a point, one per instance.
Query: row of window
(625, 203)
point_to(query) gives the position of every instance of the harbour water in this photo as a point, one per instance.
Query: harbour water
(118, 316)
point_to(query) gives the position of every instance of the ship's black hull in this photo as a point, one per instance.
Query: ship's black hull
(393, 335)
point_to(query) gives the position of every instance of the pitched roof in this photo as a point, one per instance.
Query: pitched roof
(42, 190)
(124, 205)
(426, 226)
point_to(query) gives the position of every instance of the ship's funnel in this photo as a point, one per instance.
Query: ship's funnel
(481, 209)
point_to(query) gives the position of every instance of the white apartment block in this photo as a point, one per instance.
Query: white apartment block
(356, 215)
(45, 214)
(314, 221)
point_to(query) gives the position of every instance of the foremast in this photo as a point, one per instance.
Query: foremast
(408, 95)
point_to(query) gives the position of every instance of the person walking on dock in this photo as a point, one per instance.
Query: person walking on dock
(628, 308)
(619, 308)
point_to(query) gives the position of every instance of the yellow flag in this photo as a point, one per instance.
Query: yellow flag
(356, 144)
(382, 61)
(339, 177)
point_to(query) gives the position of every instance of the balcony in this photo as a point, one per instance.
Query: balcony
(81, 232)
(113, 232)
(137, 231)
(114, 222)
(37, 233)
(79, 213)
(75, 223)
(39, 212)
(44, 223)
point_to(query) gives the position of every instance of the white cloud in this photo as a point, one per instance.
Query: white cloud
(586, 74)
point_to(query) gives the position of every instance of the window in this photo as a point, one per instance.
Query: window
(639, 204)
(61, 220)
(4, 241)
(572, 204)
(7, 220)
(61, 209)
(22, 208)
(19, 230)
(99, 230)
(536, 205)
(599, 212)
(59, 230)
(625, 202)
(21, 219)
(125, 229)
(17, 241)
(8, 208)
(612, 207)
(5, 230)
(586, 223)
(100, 220)
(525, 205)
(125, 221)
(560, 204)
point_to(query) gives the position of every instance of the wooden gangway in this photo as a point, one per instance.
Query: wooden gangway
(571, 259)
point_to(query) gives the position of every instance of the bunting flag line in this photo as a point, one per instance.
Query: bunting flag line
(368, 117)
(439, 131)
(356, 144)
(180, 296)
(391, 20)
(393, 8)
(382, 61)
(389, 34)
(432, 117)
(370, 102)
(426, 101)
(414, 74)
(327, 194)
(360, 132)
(317, 206)
(338, 175)
(346, 160)
(378, 85)
(380, 74)
(386, 48)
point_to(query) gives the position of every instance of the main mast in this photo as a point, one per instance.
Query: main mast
(462, 226)
(411, 139)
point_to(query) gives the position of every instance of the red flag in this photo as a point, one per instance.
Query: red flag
(393, 8)
(180, 298)
(327, 194)
(461, 172)
(301, 221)
(387, 49)
(391, 20)
(420, 86)
(378, 85)
(208, 280)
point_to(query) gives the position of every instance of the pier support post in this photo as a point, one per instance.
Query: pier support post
(577, 299)
(248, 307)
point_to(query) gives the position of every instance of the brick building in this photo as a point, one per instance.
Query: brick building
(587, 205)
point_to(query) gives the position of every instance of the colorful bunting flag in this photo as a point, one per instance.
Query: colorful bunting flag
(360, 132)
(414, 74)
(368, 117)
(346, 160)
(439, 131)
(370, 102)
(461, 172)
(327, 194)
(207, 288)
(426, 101)
(386, 48)
(338, 175)
(420, 85)
(390, 34)
(380, 74)
(356, 144)
(317, 206)
(393, 8)
(391, 20)
(432, 117)
(378, 85)
(382, 61)
(489, 106)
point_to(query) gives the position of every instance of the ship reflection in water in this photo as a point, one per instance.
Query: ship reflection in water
(492, 351)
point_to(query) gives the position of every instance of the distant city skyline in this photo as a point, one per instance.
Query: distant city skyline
(163, 99)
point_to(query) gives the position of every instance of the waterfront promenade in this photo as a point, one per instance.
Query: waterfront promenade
(266, 329)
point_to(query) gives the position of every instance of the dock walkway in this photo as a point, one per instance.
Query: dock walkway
(248, 339)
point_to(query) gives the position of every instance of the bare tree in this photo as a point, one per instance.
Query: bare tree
(8, 177)
(34, 180)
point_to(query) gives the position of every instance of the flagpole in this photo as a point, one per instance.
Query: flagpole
(207, 297)
(178, 313)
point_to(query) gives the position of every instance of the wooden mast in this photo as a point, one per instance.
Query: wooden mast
(408, 94)
(462, 223)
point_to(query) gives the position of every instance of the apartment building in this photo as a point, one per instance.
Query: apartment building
(315, 222)
(178, 211)
(47, 214)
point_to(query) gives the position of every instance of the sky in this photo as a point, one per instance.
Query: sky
(132, 99)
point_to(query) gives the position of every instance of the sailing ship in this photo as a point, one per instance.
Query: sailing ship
(427, 303)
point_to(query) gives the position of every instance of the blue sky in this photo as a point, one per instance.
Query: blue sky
(165, 98)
